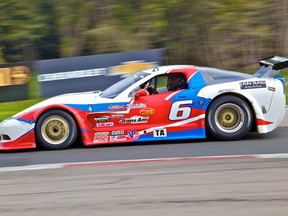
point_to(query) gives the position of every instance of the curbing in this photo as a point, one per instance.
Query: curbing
(142, 161)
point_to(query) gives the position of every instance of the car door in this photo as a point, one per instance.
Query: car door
(164, 113)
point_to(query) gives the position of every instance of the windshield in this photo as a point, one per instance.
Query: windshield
(120, 86)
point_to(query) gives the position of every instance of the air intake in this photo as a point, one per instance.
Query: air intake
(4, 137)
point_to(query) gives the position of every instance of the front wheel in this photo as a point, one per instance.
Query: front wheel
(56, 130)
(229, 118)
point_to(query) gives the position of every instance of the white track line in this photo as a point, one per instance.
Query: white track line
(140, 161)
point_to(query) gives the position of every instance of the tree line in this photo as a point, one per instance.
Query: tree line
(232, 34)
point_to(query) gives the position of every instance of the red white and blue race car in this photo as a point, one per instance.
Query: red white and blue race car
(163, 103)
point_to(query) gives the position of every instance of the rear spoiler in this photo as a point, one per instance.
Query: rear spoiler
(271, 66)
(277, 62)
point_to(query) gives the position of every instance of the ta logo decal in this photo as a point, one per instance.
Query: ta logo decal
(160, 133)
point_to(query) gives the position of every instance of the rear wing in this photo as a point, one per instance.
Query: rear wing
(276, 62)
(271, 66)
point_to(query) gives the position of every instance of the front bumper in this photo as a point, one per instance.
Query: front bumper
(16, 134)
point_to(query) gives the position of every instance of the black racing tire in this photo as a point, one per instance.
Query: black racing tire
(56, 130)
(229, 118)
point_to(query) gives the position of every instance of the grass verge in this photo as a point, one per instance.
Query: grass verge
(8, 109)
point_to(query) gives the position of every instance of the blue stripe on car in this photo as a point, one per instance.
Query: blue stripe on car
(187, 134)
(99, 107)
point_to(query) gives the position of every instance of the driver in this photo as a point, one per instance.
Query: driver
(150, 90)
(176, 82)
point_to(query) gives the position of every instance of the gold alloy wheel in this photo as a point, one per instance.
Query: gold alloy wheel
(55, 130)
(229, 118)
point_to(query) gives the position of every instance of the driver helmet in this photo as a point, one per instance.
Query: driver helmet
(176, 81)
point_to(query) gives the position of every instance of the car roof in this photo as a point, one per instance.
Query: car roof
(211, 75)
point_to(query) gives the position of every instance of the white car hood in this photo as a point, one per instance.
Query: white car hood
(72, 98)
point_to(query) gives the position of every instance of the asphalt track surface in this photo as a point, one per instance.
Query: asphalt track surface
(271, 143)
(216, 185)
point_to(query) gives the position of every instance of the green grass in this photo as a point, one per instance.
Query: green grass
(34, 87)
(285, 74)
(8, 109)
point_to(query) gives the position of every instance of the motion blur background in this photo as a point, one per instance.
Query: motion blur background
(231, 34)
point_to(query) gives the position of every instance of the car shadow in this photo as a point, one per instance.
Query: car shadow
(79, 144)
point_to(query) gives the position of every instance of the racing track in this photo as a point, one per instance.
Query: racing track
(275, 142)
(235, 187)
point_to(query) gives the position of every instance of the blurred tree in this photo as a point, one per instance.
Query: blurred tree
(188, 37)
(104, 36)
(72, 19)
(20, 27)
(48, 44)
(131, 25)
(223, 33)
(2, 60)
(232, 34)
(281, 25)
(242, 29)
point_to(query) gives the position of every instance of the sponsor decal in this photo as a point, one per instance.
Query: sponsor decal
(226, 90)
(136, 106)
(102, 118)
(101, 137)
(201, 102)
(71, 74)
(17, 75)
(253, 84)
(147, 111)
(134, 120)
(131, 67)
(117, 107)
(127, 106)
(101, 134)
(125, 69)
(116, 116)
(105, 124)
(118, 138)
(133, 134)
(118, 132)
(160, 132)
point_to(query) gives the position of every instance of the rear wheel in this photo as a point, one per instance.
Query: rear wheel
(56, 130)
(229, 118)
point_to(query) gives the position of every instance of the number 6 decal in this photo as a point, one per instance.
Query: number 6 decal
(180, 113)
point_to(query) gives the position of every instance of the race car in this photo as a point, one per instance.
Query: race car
(163, 103)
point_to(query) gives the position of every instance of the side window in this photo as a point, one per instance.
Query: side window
(171, 82)
(134, 91)
(163, 83)
(176, 81)
(149, 85)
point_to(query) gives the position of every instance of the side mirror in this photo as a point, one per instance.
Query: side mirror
(140, 93)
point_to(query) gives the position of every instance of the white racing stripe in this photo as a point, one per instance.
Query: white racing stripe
(31, 167)
(171, 95)
(173, 124)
